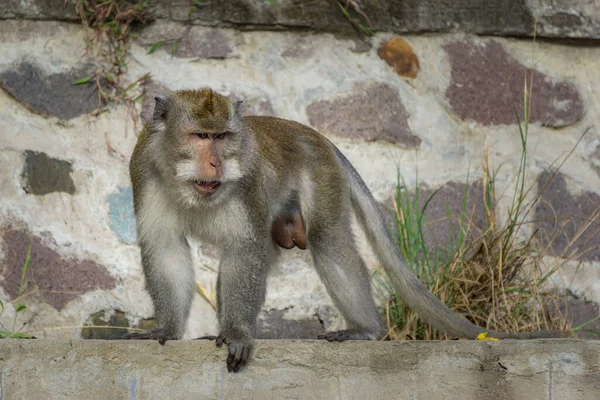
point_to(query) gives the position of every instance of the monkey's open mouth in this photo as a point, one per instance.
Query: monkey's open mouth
(207, 187)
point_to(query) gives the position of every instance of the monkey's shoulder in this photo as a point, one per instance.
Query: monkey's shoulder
(283, 136)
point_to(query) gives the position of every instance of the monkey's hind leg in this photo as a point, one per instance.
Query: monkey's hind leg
(346, 278)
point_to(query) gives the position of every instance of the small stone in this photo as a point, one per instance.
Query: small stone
(371, 112)
(122, 217)
(52, 95)
(43, 174)
(202, 44)
(398, 54)
(561, 219)
(58, 279)
(487, 86)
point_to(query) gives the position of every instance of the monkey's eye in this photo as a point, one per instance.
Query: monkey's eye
(202, 135)
(220, 135)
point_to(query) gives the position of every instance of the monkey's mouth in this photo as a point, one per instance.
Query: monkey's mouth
(207, 187)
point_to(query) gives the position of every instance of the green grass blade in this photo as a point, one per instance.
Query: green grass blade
(82, 80)
(155, 47)
(580, 327)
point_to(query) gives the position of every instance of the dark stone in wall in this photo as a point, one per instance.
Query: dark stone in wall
(443, 213)
(370, 112)
(578, 311)
(561, 219)
(39, 9)
(94, 328)
(273, 325)
(43, 174)
(203, 44)
(51, 95)
(487, 87)
(58, 279)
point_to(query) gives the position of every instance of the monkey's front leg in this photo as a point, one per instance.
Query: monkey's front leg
(241, 287)
(170, 282)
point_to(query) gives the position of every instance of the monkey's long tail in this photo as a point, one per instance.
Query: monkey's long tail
(406, 284)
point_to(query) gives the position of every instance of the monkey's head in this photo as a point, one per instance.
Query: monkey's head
(200, 144)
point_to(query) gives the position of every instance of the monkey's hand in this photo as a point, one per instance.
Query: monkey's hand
(239, 345)
(154, 334)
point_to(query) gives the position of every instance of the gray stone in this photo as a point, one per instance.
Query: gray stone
(371, 112)
(561, 218)
(98, 328)
(51, 95)
(58, 279)
(62, 10)
(273, 324)
(289, 369)
(567, 18)
(43, 174)
(202, 44)
(122, 218)
(487, 87)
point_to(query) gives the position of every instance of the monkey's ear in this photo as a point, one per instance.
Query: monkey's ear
(160, 109)
(239, 107)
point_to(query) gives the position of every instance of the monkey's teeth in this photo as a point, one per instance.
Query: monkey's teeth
(208, 186)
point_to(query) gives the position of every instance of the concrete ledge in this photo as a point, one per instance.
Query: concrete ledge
(286, 369)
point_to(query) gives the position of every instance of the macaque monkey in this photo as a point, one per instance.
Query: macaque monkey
(249, 185)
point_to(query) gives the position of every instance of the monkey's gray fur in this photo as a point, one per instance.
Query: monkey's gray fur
(201, 170)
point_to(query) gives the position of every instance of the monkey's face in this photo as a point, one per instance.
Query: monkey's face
(203, 140)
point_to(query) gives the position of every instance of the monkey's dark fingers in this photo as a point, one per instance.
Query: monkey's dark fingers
(207, 337)
(220, 340)
(148, 335)
(239, 353)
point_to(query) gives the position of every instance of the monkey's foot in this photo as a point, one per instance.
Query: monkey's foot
(239, 346)
(154, 334)
(340, 336)
(207, 337)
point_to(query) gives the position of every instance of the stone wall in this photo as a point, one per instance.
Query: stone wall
(285, 369)
(433, 104)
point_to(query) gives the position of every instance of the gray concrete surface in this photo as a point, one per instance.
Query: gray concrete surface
(537, 369)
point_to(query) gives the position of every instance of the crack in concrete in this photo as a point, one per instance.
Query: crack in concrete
(222, 384)
(133, 387)
(550, 381)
